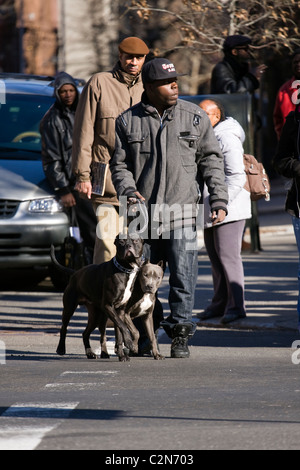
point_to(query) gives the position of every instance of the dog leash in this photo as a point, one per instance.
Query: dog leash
(143, 211)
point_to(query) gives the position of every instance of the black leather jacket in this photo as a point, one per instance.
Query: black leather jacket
(56, 130)
(287, 160)
(230, 76)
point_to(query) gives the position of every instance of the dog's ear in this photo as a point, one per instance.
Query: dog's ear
(161, 264)
(117, 239)
(147, 261)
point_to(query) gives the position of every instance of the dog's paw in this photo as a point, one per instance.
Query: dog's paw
(90, 353)
(124, 358)
(158, 357)
(104, 355)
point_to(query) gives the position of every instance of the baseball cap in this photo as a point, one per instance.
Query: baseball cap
(236, 40)
(133, 45)
(159, 69)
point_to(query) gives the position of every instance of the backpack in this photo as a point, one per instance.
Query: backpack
(257, 183)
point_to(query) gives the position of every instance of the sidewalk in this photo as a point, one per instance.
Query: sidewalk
(271, 285)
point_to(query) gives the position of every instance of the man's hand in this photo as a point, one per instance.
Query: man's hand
(84, 187)
(133, 200)
(218, 216)
(260, 70)
(68, 200)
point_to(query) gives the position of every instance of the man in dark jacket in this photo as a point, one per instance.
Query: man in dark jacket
(287, 163)
(164, 147)
(232, 74)
(56, 130)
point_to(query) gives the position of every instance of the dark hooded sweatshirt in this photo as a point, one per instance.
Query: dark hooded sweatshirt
(56, 129)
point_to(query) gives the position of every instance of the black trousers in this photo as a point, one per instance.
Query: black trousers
(87, 221)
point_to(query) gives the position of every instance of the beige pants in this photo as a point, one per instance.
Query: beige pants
(107, 229)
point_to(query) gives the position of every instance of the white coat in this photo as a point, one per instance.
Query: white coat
(231, 136)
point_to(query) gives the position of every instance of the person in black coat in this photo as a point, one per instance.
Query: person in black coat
(287, 163)
(232, 74)
(56, 130)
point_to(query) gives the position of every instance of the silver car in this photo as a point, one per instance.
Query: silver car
(31, 219)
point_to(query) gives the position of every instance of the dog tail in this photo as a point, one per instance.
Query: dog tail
(62, 268)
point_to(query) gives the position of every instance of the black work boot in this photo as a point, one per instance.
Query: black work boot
(179, 346)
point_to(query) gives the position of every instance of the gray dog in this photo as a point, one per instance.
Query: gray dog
(104, 289)
(140, 304)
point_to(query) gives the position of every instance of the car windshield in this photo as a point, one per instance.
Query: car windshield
(20, 118)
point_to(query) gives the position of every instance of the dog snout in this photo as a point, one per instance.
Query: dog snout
(129, 250)
(150, 289)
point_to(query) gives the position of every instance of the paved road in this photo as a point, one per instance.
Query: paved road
(239, 389)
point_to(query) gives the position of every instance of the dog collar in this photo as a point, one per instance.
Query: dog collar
(125, 270)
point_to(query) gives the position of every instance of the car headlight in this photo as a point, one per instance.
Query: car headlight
(46, 206)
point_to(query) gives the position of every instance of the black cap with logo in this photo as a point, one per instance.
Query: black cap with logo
(158, 69)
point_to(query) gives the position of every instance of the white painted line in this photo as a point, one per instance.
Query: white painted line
(23, 437)
(90, 372)
(39, 410)
(21, 427)
(110, 345)
(80, 385)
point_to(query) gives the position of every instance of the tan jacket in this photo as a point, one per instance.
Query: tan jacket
(104, 97)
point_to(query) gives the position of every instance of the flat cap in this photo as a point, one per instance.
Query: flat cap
(133, 45)
(236, 40)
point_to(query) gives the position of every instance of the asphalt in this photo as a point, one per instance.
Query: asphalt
(271, 275)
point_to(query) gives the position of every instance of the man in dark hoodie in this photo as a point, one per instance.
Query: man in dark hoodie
(56, 130)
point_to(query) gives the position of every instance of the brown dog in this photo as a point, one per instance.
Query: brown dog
(140, 304)
(105, 289)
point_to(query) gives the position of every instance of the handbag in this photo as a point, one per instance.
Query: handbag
(72, 254)
(73, 249)
(257, 183)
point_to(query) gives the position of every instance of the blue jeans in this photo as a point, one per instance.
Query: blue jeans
(178, 250)
(296, 224)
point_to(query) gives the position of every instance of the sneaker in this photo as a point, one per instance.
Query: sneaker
(179, 348)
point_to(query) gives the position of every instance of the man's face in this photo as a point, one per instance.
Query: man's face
(241, 53)
(131, 63)
(296, 66)
(163, 93)
(67, 94)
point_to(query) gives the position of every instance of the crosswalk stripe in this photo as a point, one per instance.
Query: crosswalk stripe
(73, 385)
(89, 372)
(16, 433)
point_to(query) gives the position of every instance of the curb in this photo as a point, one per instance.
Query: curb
(247, 324)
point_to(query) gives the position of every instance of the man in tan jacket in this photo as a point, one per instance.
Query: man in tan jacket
(104, 97)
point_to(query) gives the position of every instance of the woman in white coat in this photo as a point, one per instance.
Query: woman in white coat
(223, 241)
